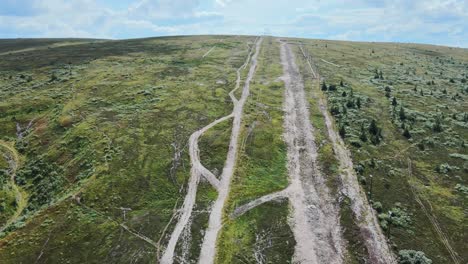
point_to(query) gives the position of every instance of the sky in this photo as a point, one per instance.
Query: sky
(442, 22)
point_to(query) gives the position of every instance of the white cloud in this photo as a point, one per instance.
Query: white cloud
(87, 18)
(431, 21)
(223, 2)
(160, 9)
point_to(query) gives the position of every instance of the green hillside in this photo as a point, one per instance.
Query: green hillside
(96, 156)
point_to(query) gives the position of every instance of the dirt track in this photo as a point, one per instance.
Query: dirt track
(208, 250)
(314, 219)
(374, 239)
(315, 222)
(198, 170)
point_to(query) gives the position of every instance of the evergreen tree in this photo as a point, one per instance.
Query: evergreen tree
(394, 101)
(376, 76)
(437, 127)
(406, 133)
(358, 103)
(373, 129)
(375, 132)
(402, 114)
(342, 131)
(363, 135)
(375, 139)
(324, 86)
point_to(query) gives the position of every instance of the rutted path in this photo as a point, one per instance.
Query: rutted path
(266, 198)
(208, 250)
(21, 197)
(315, 221)
(374, 239)
(208, 52)
(198, 170)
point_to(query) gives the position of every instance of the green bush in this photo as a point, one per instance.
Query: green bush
(377, 206)
(335, 110)
(396, 217)
(412, 257)
(43, 179)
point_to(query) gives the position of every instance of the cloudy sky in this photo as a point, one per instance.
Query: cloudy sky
(443, 22)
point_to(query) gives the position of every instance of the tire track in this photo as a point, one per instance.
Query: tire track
(208, 250)
(198, 170)
(208, 52)
(373, 237)
(314, 220)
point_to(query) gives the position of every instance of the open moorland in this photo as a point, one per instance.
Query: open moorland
(232, 149)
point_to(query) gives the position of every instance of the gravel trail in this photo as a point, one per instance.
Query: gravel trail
(314, 220)
(374, 239)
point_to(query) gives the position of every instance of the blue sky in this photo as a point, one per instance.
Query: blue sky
(443, 22)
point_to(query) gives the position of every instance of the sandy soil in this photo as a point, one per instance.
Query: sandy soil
(374, 239)
(314, 220)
